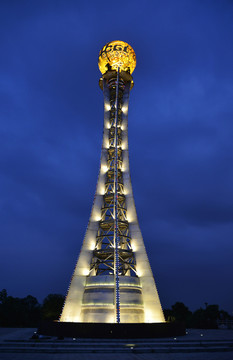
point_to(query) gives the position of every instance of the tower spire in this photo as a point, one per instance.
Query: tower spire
(113, 281)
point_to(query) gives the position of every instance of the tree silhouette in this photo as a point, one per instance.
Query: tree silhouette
(52, 306)
(16, 312)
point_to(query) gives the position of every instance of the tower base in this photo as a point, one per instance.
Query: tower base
(111, 331)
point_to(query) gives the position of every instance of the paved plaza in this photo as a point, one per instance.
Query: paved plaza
(15, 344)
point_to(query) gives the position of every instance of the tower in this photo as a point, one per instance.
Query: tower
(112, 280)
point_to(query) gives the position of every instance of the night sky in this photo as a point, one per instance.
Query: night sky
(180, 140)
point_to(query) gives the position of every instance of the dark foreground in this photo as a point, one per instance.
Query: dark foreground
(111, 331)
(15, 344)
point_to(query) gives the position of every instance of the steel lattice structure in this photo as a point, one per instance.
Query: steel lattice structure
(103, 255)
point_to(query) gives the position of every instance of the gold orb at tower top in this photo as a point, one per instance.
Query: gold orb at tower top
(117, 54)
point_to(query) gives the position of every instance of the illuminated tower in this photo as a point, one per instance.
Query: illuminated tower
(112, 280)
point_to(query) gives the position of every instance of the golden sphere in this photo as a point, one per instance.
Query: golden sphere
(117, 54)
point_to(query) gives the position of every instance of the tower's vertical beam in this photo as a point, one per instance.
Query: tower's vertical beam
(116, 235)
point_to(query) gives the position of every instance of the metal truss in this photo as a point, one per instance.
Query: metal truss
(103, 260)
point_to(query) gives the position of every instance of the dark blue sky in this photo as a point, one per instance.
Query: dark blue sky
(180, 138)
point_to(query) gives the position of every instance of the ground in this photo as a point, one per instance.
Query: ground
(15, 344)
